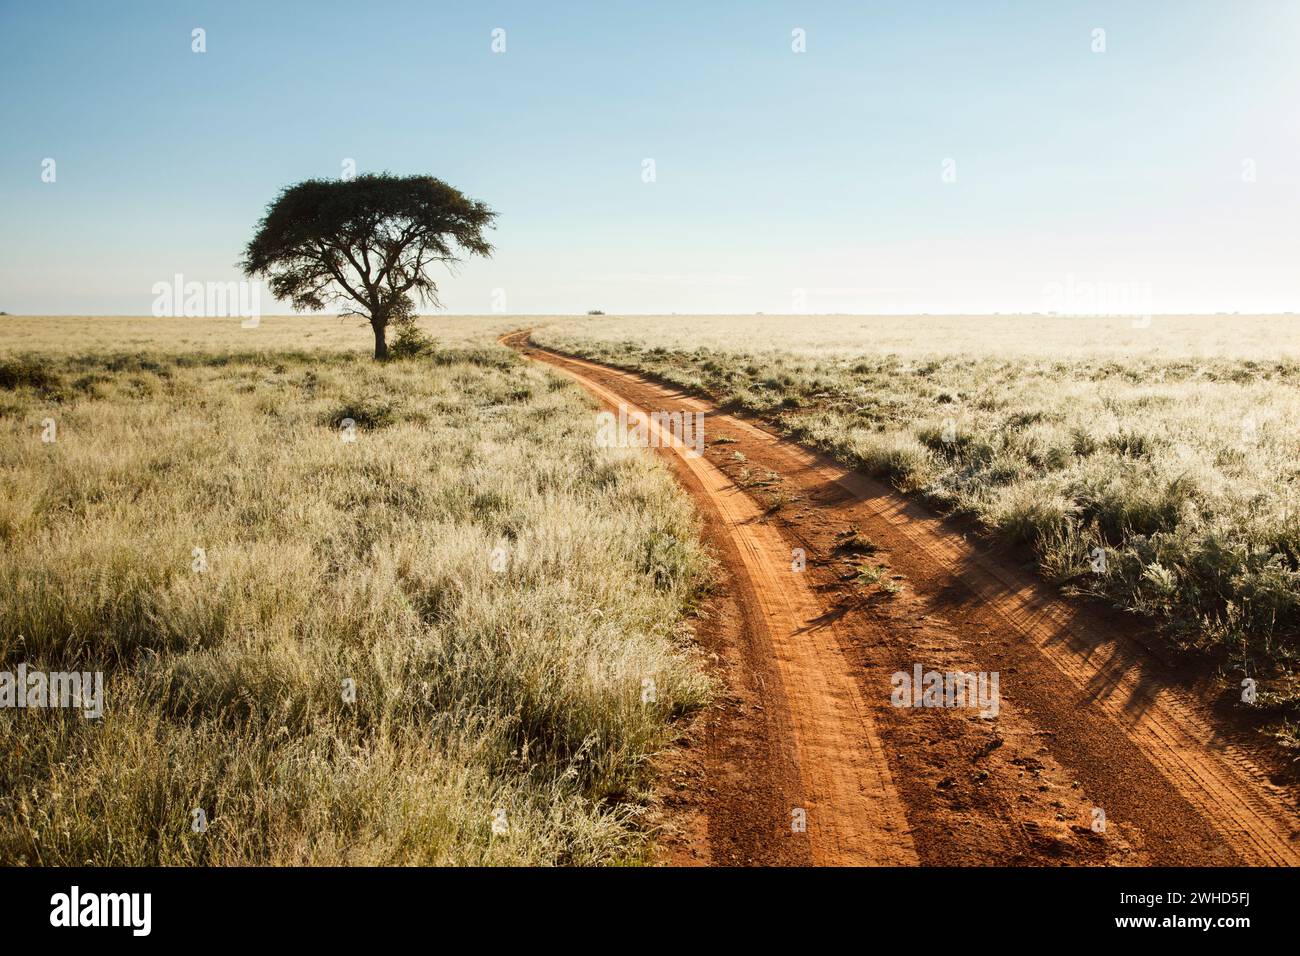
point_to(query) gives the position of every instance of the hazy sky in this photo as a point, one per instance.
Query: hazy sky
(784, 181)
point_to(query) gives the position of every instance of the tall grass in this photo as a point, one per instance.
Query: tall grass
(500, 592)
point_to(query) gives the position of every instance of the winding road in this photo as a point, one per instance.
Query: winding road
(1101, 753)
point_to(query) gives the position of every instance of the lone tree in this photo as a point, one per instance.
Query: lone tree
(370, 240)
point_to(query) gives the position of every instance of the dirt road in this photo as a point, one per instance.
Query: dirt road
(1099, 753)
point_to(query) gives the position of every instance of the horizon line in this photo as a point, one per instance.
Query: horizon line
(606, 315)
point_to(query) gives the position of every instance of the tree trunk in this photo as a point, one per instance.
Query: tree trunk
(381, 341)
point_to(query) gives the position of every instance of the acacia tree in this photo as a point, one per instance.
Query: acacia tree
(368, 241)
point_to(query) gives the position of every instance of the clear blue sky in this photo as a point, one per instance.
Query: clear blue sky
(776, 171)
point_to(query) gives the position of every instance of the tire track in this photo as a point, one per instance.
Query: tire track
(853, 813)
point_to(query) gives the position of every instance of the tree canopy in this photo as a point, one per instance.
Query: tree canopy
(369, 241)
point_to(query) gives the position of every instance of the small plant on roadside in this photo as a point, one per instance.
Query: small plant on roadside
(877, 576)
(853, 541)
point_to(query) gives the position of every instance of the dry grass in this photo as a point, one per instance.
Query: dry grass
(477, 690)
(1169, 449)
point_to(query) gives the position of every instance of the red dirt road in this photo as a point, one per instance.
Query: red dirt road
(1100, 752)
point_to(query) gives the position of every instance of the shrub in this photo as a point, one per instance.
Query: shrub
(410, 342)
(28, 372)
(365, 412)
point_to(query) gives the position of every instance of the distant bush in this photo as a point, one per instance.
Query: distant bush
(27, 372)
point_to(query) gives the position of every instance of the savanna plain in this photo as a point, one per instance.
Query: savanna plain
(410, 613)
